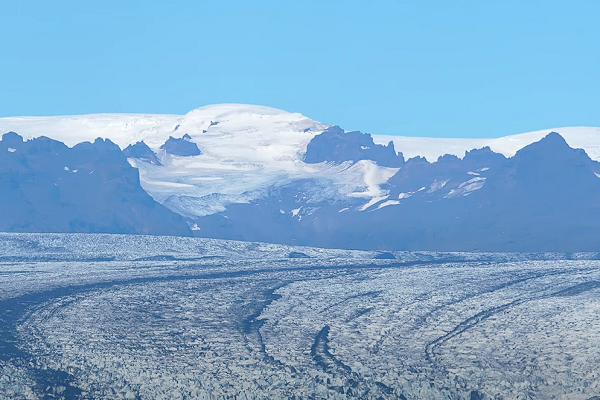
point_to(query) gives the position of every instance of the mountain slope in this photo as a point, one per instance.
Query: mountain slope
(49, 187)
(545, 198)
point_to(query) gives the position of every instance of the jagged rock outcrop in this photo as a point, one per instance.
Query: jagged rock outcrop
(141, 151)
(49, 187)
(335, 145)
(183, 146)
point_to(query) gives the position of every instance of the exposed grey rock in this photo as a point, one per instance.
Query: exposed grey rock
(49, 187)
(141, 151)
(337, 146)
(181, 147)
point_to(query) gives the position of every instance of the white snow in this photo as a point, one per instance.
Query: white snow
(466, 188)
(584, 137)
(373, 176)
(437, 185)
(132, 162)
(372, 202)
(365, 178)
(471, 181)
(388, 203)
(207, 178)
(170, 184)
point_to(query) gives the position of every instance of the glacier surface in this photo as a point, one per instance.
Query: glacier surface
(135, 317)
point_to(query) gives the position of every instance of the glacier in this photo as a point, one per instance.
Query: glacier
(146, 317)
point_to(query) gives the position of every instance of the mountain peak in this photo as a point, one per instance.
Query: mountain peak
(555, 138)
(337, 146)
(551, 146)
(12, 138)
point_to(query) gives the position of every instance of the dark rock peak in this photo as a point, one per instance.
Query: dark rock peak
(335, 145)
(447, 158)
(99, 145)
(12, 138)
(551, 145)
(181, 147)
(141, 151)
(554, 137)
(106, 142)
(553, 152)
(49, 187)
(417, 160)
(102, 149)
(448, 172)
(551, 168)
(41, 145)
(485, 153)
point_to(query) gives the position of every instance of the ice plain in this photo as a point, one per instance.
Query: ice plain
(115, 316)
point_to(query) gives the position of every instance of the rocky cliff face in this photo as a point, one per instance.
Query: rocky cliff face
(49, 187)
(335, 145)
(141, 151)
(183, 146)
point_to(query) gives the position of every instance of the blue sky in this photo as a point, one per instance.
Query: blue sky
(422, 68)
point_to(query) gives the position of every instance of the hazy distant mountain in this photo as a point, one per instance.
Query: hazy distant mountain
(257, 173)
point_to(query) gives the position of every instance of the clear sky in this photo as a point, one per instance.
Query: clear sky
(422, 68)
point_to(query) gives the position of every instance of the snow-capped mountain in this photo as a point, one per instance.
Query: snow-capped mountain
(258, 173)
(245, 151)
(247, 125)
